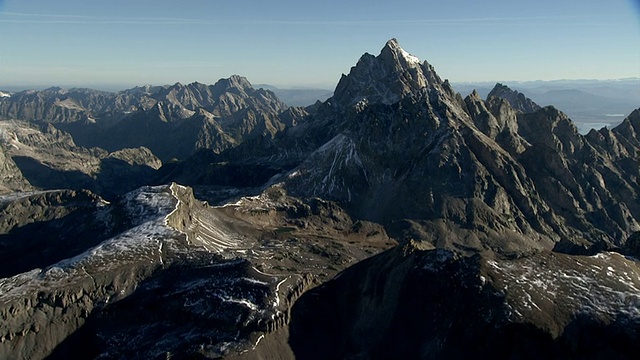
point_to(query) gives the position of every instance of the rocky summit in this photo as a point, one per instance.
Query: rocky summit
(396, 219)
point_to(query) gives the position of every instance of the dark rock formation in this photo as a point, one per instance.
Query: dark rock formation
(41, 228)
(432, 304)
(12, 179)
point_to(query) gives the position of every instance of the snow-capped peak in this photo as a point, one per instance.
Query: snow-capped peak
(4, 94)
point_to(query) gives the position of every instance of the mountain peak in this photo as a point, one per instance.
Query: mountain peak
(517, 100)
(233, 82)
(386, 78)
(394, 52)
(393, 43)
(240, 81)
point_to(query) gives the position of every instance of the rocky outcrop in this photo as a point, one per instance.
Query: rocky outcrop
(137, 157)
(44, 305)
(12, 179)
(498, 120)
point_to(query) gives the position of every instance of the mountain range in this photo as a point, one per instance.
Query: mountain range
(194, 116)
(396, 219)
(591, 104)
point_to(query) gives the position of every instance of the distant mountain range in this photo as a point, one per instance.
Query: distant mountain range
(589, 103)
(396, 219)
(193, 116)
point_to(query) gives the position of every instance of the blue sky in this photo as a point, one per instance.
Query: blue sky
(120, 43)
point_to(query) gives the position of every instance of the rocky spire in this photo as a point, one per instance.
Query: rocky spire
(392, 53)
(516, 99)
(386, 78)
(630, 127)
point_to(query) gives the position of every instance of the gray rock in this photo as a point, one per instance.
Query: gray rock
(48, 158)
(517, 100)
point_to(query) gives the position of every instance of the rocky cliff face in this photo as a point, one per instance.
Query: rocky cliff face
(12, 179)
(31, 228)
(47, 158)
(385, 79)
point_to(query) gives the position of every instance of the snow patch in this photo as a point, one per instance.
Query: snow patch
(277, 300)
(606, 284)
(293, 174)
(148, 207)
(410, 58)
(243, 302)
(258, 341)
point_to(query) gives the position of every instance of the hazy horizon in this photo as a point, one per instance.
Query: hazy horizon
(115, 88)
